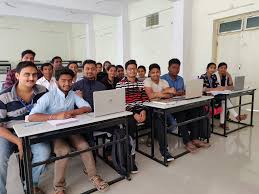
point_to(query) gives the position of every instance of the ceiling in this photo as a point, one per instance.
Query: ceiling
(77, 11)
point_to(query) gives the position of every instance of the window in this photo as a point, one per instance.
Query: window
(152, 20)
(230, 26)
(252, 22)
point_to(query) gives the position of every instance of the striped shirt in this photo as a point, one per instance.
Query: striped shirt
(135, 93)
(13, 109)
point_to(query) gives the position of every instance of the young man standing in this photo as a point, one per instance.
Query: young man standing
(191, 140)
(47, 80)
(15, 103)
(27, 55)
(59, 104)
(135, 96)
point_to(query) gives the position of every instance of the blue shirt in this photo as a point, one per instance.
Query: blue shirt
(55, 102)
(178, 84)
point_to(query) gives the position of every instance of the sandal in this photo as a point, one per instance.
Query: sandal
(241, 117)
(99, 183)
(200, 144)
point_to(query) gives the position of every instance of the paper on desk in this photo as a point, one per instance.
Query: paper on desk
(62, 122)
(214, 93)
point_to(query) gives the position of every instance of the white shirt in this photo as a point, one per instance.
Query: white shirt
(50, 85)
(156, 87)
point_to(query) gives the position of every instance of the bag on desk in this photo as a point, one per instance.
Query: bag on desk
(119, 157)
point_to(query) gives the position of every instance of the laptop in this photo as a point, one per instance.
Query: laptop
(239, 83)
(109, 102)
(194, 89)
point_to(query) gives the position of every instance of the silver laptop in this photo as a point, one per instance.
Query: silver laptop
(239, 83)
(194, 89)
(109, 102)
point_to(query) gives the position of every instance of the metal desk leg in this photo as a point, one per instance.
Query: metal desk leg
(153, 134)
(239, 108)
(212, 115)
(28, 166)
(208, 123)
(252, 110)
(225, 116)
(127, 150)
(165, 138)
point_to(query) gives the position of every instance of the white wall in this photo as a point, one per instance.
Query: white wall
(46, 38)
(151, 45)
(78, 38)
(105, 28)
(204, 13)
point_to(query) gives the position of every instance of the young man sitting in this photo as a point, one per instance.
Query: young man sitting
(190, 140)
(15, 103)
(135, 96)
(59, 104)
(156, 89)
(48, 81)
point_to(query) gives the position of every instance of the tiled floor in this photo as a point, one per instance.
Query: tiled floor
(229, 166)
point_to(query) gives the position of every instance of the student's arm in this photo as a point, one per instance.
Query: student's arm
(153, 95)
(83, 106)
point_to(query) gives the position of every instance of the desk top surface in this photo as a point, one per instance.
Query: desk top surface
(229, 92)
(177, 103)
(35, 128)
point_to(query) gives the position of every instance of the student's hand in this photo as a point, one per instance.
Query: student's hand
(172, 91)
(20, 148)
(220, 88)
(180, 93)
(79, 93)
(137, 117)
(142, 116)
(63, 115)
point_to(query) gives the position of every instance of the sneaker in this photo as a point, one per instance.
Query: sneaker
(168, 157)
(134, 169)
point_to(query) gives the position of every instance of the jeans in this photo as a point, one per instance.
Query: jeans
(40, 152)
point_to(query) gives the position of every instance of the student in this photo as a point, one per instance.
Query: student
(111, 80)
(57, 63)
(172, 77)
(190, 133)
(99, 67)
(27, 55)
(48, 81)
(100, 73)
(120, 72)
(142, 73)
(74, 67)
(89, 84)
(105, 65)
(59, 104)
(15, 103)
(156, 89)
(223, 76)
(135, 96)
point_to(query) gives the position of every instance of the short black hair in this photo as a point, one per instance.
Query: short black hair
(64, 71)
(28, 52)
(46, 65)
(142, 67)
(222, 64)
(110, 66)
(89, 61)
(99, 64)
(154, 66)
(72, 62)
(130, 62)
(54, 58)
(24, 64)
(211, 64)
(119, 66)
(174, 61)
